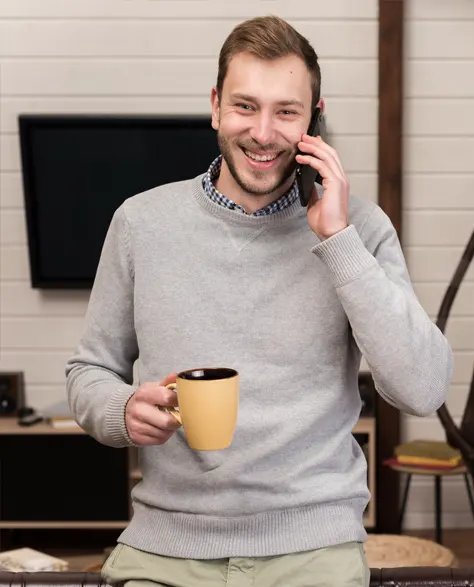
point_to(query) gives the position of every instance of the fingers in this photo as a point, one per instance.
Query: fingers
(143, 429)
(144, 434)
(332, 152)
(146, 423)
(320, 150)
(156, 394)
(317, 164)
(153, 416)
(323, 146)
(170, 378)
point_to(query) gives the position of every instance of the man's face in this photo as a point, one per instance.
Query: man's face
(264, 109)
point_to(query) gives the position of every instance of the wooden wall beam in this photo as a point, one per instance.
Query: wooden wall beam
(390, 122)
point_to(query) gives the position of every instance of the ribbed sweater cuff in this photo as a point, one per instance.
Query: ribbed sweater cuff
(115, 416)
(345, 255)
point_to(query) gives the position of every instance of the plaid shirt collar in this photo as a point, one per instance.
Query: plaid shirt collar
(208, 184)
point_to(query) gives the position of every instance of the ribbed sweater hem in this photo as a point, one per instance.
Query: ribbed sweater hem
(272, 533)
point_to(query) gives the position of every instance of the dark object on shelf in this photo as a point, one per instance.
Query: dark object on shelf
(11, 393)
(458, 437)
(7, 404)
(28, 417)
(367, 393)
(25, 411)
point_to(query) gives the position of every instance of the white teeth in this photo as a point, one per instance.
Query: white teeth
(261, 158)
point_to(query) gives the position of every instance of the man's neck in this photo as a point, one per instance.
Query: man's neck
(227, 186)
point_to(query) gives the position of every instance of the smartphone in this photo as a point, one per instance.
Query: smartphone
(306, 176)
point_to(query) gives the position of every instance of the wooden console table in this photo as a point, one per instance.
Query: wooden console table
(41, 436)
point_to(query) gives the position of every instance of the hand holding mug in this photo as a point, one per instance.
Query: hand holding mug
(147, 425)
(208, 401)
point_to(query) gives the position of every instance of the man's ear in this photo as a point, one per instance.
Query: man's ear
(215, 108)
(322, 104)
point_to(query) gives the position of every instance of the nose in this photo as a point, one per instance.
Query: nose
(262, 130)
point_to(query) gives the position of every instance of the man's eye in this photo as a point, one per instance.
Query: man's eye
(288, 112)
(244, 106)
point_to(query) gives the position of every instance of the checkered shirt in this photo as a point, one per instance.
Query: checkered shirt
(210, 190)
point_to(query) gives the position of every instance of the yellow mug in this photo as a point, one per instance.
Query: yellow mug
(208, 401)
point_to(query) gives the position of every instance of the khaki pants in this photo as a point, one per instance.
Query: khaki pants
(338, 566)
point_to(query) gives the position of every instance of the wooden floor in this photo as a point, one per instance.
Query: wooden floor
(461, 542)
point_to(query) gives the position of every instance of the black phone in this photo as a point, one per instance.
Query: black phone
(306, 176)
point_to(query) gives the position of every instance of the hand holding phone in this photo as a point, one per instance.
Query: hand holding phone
(306, 176)
(328, 214)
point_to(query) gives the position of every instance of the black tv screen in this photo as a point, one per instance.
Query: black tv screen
(78, 169)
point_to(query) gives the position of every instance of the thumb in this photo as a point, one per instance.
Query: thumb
(170, 378)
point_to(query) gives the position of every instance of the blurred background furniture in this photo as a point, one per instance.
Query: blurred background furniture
(437, 474)
(393, 551)
(460, 437)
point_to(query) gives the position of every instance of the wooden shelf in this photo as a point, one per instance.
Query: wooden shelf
(135, 474)
(9, 426)
(63, 525)
(365, 426)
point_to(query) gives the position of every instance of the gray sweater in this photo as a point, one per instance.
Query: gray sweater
(183, 282)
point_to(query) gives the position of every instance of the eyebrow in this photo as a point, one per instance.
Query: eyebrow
(248, 98)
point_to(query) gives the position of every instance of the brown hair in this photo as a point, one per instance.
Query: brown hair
(269, 37)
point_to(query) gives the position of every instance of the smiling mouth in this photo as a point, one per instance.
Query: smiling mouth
(260, 158)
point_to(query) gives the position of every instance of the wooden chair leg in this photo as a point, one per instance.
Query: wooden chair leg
(438, 513)
(469, 492)
(404, 500)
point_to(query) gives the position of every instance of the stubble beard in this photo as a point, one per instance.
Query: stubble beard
(255, 188)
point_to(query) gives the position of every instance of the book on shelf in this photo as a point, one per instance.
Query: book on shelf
(30, 561)
(59, 416)
(63, 423)
(443, 467)
(428, 453)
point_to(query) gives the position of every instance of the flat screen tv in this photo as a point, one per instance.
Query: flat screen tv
(78, 169)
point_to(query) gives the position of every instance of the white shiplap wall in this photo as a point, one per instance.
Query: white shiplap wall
(144, 56)
(439, 206)
(131, 56)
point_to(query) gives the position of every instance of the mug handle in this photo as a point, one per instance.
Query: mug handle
(173, 411)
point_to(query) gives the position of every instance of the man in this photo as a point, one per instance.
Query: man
(228, 269)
